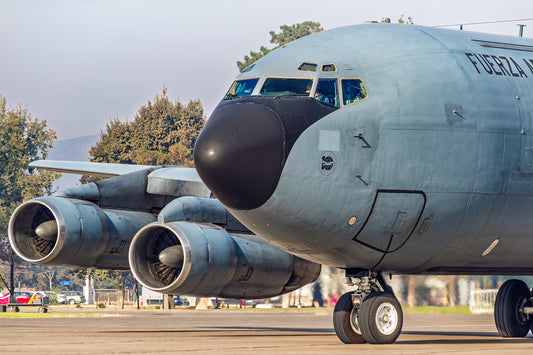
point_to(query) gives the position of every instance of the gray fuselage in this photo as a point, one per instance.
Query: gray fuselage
(427, 172)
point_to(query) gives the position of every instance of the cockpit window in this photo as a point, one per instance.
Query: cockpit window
(353, 90)
(326, 92)
(241, 88)
(307, 66)
(329, 68)
(286, 86)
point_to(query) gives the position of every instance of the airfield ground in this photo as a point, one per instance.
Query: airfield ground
(91, 331)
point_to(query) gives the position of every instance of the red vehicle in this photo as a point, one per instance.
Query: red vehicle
(4, 299)
(22, 297)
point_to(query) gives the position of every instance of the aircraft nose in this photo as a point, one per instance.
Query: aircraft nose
(240, 154)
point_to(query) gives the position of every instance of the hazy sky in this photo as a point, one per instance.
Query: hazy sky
(78, 63)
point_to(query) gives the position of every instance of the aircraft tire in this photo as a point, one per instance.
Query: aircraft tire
(512, 296)
(345, 321)
(380, 318)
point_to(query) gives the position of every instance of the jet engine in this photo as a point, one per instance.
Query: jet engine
(74, 233)
(201, 259)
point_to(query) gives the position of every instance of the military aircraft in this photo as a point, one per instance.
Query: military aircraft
(374, 148)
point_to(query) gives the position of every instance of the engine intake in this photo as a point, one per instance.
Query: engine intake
(74, 233)
(204, 260)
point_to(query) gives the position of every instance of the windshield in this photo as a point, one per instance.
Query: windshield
(286, 86)
(241, 88)
(326, 92)
(353, 90)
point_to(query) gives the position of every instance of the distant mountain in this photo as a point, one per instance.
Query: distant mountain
(73, 149)
(76, 149)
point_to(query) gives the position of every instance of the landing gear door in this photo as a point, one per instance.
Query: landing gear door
(392, 219)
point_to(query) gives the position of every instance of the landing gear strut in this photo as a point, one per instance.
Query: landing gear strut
(370, 314)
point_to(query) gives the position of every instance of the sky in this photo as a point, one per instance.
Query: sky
(77, 64)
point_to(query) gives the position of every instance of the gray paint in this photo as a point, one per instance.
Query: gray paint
(434, 126)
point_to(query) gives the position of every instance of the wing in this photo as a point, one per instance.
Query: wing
(82, 167)
(162, 180)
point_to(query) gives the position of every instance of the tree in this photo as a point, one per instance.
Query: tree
(287, 34)
(409, 20)
(163, 132)
(22, 140)
(4, 249)
(50, 273)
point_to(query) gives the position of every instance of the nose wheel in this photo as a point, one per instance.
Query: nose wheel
(380, 318)
(368, 315)
(346, 321)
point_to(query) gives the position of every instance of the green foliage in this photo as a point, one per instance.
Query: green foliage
(102, 278)
(22, 140)
(163, 132)
(287, 35)
(437, 309)
(293, 32)
(101, 305)
(408, 21)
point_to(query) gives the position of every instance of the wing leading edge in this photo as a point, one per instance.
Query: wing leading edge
(89, 168)
(162, 180)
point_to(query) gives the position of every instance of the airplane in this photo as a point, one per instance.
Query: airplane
(377, 148)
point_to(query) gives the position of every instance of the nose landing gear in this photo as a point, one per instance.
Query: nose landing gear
(370, 314)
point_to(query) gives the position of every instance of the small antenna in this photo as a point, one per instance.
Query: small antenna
(521, 30)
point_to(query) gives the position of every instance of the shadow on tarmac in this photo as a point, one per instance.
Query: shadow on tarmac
(456, 338)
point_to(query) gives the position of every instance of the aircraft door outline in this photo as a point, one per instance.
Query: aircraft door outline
(392, 220)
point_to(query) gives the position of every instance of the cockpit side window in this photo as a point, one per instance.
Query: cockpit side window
(241, 88)
(353, 90)
(326, 92)
(329, 68)
(307, 66)
(286, 86)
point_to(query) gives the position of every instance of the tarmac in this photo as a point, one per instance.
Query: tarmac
(90, 331)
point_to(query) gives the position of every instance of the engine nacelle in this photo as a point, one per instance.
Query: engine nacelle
(74, 233)
(204, 260)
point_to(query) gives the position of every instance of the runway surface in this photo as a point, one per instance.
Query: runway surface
(242, 332)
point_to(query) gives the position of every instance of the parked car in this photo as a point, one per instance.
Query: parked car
(70, 297)
(181, 301)
(42, 293)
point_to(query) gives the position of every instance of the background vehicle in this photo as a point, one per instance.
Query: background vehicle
(70, 297)
(21, 297)
(181, 301)
(4, 299)
(41, 297)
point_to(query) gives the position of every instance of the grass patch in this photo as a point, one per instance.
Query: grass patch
(437, 310)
